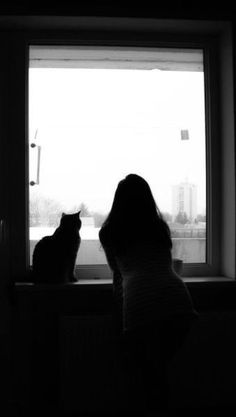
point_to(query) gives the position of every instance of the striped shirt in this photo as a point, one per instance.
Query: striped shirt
(147, 288)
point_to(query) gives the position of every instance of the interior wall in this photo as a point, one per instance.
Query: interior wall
(206, 363)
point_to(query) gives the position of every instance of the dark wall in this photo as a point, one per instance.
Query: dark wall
(171, 9)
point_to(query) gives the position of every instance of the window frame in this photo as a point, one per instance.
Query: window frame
(213, 38)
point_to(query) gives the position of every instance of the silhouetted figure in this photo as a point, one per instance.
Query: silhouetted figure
(153, 307)
(54, 256)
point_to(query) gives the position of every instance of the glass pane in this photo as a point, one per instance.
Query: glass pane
(91, 126)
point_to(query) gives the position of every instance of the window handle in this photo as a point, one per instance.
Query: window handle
(33, 145)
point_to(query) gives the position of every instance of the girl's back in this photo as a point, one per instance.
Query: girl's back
(151, 288)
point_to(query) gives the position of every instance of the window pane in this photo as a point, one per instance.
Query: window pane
(95, 117)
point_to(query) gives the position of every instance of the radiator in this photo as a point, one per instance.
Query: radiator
(92, 380)
(91, 376)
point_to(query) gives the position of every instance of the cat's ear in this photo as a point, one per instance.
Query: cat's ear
(79, 213)
(62, 214)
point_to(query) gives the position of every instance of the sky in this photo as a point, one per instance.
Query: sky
(95, 126)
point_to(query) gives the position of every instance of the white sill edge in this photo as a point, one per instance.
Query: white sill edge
(108, 282)
(185, 279)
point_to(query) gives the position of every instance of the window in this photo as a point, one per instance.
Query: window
(97, 114)
(204, 210)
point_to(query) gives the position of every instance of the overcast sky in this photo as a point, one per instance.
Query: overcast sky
(96, 126)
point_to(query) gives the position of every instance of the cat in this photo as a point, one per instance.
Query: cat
(54, 256)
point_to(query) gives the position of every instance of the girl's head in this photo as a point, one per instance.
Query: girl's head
(133, 199)
(135, 216)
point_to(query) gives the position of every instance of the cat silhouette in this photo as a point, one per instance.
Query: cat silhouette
(54, 257)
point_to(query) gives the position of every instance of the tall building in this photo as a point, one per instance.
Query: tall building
(184, 200)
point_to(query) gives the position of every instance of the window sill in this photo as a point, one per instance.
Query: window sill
(95, 296)
(107, 283)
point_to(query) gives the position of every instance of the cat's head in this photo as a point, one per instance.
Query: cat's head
(71, 220)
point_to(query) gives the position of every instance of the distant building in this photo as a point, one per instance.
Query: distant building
(184, 200)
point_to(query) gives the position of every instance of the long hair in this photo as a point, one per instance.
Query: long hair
(134, 217)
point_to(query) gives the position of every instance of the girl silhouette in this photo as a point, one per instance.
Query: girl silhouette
(153, 308)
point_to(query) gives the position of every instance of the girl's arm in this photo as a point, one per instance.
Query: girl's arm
(117, 290)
